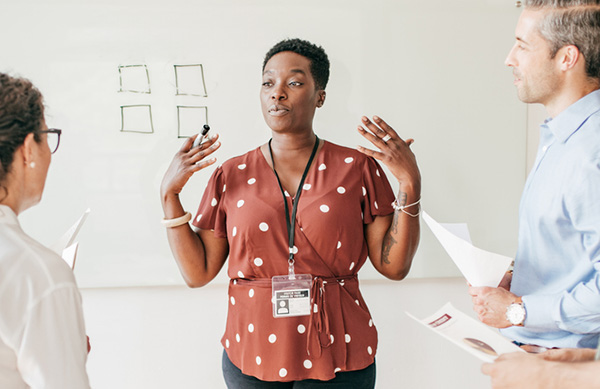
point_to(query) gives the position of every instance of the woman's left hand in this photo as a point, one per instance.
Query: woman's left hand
(394, 152)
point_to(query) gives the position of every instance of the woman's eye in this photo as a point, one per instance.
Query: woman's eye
(295, 83)
(266, 84)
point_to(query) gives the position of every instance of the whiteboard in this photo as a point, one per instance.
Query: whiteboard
(434, 70)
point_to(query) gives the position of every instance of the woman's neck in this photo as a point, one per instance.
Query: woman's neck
(293, 143)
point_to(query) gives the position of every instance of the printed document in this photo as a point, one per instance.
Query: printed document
(480, 267)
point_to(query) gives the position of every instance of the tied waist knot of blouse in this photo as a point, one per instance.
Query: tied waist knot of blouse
(319, 333)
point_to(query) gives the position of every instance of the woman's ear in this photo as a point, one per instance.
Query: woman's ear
(27, 150)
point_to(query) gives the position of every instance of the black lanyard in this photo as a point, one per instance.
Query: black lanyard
(291, 225)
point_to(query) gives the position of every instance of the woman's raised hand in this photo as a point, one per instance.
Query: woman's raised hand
(186, 162)
(394, 152)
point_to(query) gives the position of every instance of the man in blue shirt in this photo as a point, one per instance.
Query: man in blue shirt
(553, 297)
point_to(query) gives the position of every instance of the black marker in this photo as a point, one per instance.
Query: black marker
(201, 135)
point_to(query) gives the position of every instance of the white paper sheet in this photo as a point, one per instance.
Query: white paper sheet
(480, 267)
(467, 333)
(70, 254)
(69, 237)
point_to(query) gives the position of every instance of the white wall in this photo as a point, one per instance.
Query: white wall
(169, 337)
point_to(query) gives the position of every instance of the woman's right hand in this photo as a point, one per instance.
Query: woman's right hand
(186, 162)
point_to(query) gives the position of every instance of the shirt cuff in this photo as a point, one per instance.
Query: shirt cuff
(539, 309)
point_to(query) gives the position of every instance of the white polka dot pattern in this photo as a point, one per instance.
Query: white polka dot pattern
(375, 204)
(352, 266)
(242, 166)
(250, 327)
(324, 208)
(301, 329)
(232, 299)
(339, 244)
(332, 338)
(258, 261)
(237, 338)
(307, 187)
(251, 293)
(234, 231)
(213, 202)
(341, 190)
(251, 181)
(370, 322)
(198, 218)
(272, 338)
(337, 370)
(370, 350)
(258, 360)
(240, 274)
(364, 191)
(224, 186)
(227, 343)
(348, 338)
(322, 167)
(282, 372)
(377, 172)
(307, 364)
(264, 227)
(240, 203)
(349, 160)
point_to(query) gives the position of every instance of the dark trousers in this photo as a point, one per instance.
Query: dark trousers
(359, 379)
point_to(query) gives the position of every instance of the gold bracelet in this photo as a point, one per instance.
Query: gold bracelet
(178, 221)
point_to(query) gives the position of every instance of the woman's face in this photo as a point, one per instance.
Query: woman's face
(288, 95)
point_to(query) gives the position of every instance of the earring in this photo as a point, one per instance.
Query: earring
(32, 165)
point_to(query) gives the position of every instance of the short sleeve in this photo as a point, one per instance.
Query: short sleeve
(210, 214)
(377, 190)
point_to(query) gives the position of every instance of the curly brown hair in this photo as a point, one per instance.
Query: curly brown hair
(21, 113)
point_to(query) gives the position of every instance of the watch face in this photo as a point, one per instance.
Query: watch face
(515, 314)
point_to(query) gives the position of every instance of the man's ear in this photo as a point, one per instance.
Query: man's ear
(568, 56)
(321, 99)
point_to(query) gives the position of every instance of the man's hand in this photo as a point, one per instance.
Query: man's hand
(490, 305)
(569, 354)
(518, 371)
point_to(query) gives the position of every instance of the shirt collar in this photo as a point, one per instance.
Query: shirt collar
(7, 215)
(571, 119)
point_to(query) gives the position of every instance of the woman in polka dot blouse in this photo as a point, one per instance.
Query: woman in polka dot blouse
(319, 335)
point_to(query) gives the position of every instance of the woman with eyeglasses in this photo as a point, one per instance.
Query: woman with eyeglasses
(42, 333)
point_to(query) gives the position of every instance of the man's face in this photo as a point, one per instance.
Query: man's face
(537, 76)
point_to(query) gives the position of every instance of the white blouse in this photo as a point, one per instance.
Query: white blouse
(42, 333)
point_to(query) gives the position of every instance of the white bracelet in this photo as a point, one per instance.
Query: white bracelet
(402, 208)
(178, 221)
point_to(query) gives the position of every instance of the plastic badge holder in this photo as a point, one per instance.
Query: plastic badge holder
(291, 295)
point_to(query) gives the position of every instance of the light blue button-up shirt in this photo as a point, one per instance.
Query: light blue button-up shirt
(557, 266)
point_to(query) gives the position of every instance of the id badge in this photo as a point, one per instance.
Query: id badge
(291, 295)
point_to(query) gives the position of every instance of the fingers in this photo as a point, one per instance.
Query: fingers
(380, 128)
(486, 368)
(199, 153)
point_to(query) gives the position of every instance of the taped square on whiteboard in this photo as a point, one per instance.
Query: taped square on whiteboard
(190, 120)
(137, 118)
(134, 78)
(189, 80)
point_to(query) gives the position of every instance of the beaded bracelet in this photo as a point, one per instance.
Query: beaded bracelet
(176, 222)
(402, 208)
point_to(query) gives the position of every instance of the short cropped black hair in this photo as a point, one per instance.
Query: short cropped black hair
(319, 63)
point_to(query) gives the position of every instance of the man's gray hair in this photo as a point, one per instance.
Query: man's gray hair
(572, 22)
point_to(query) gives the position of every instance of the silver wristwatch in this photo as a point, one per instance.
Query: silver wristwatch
(515, 314)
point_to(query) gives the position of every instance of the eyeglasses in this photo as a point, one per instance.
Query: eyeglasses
(53, 138)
